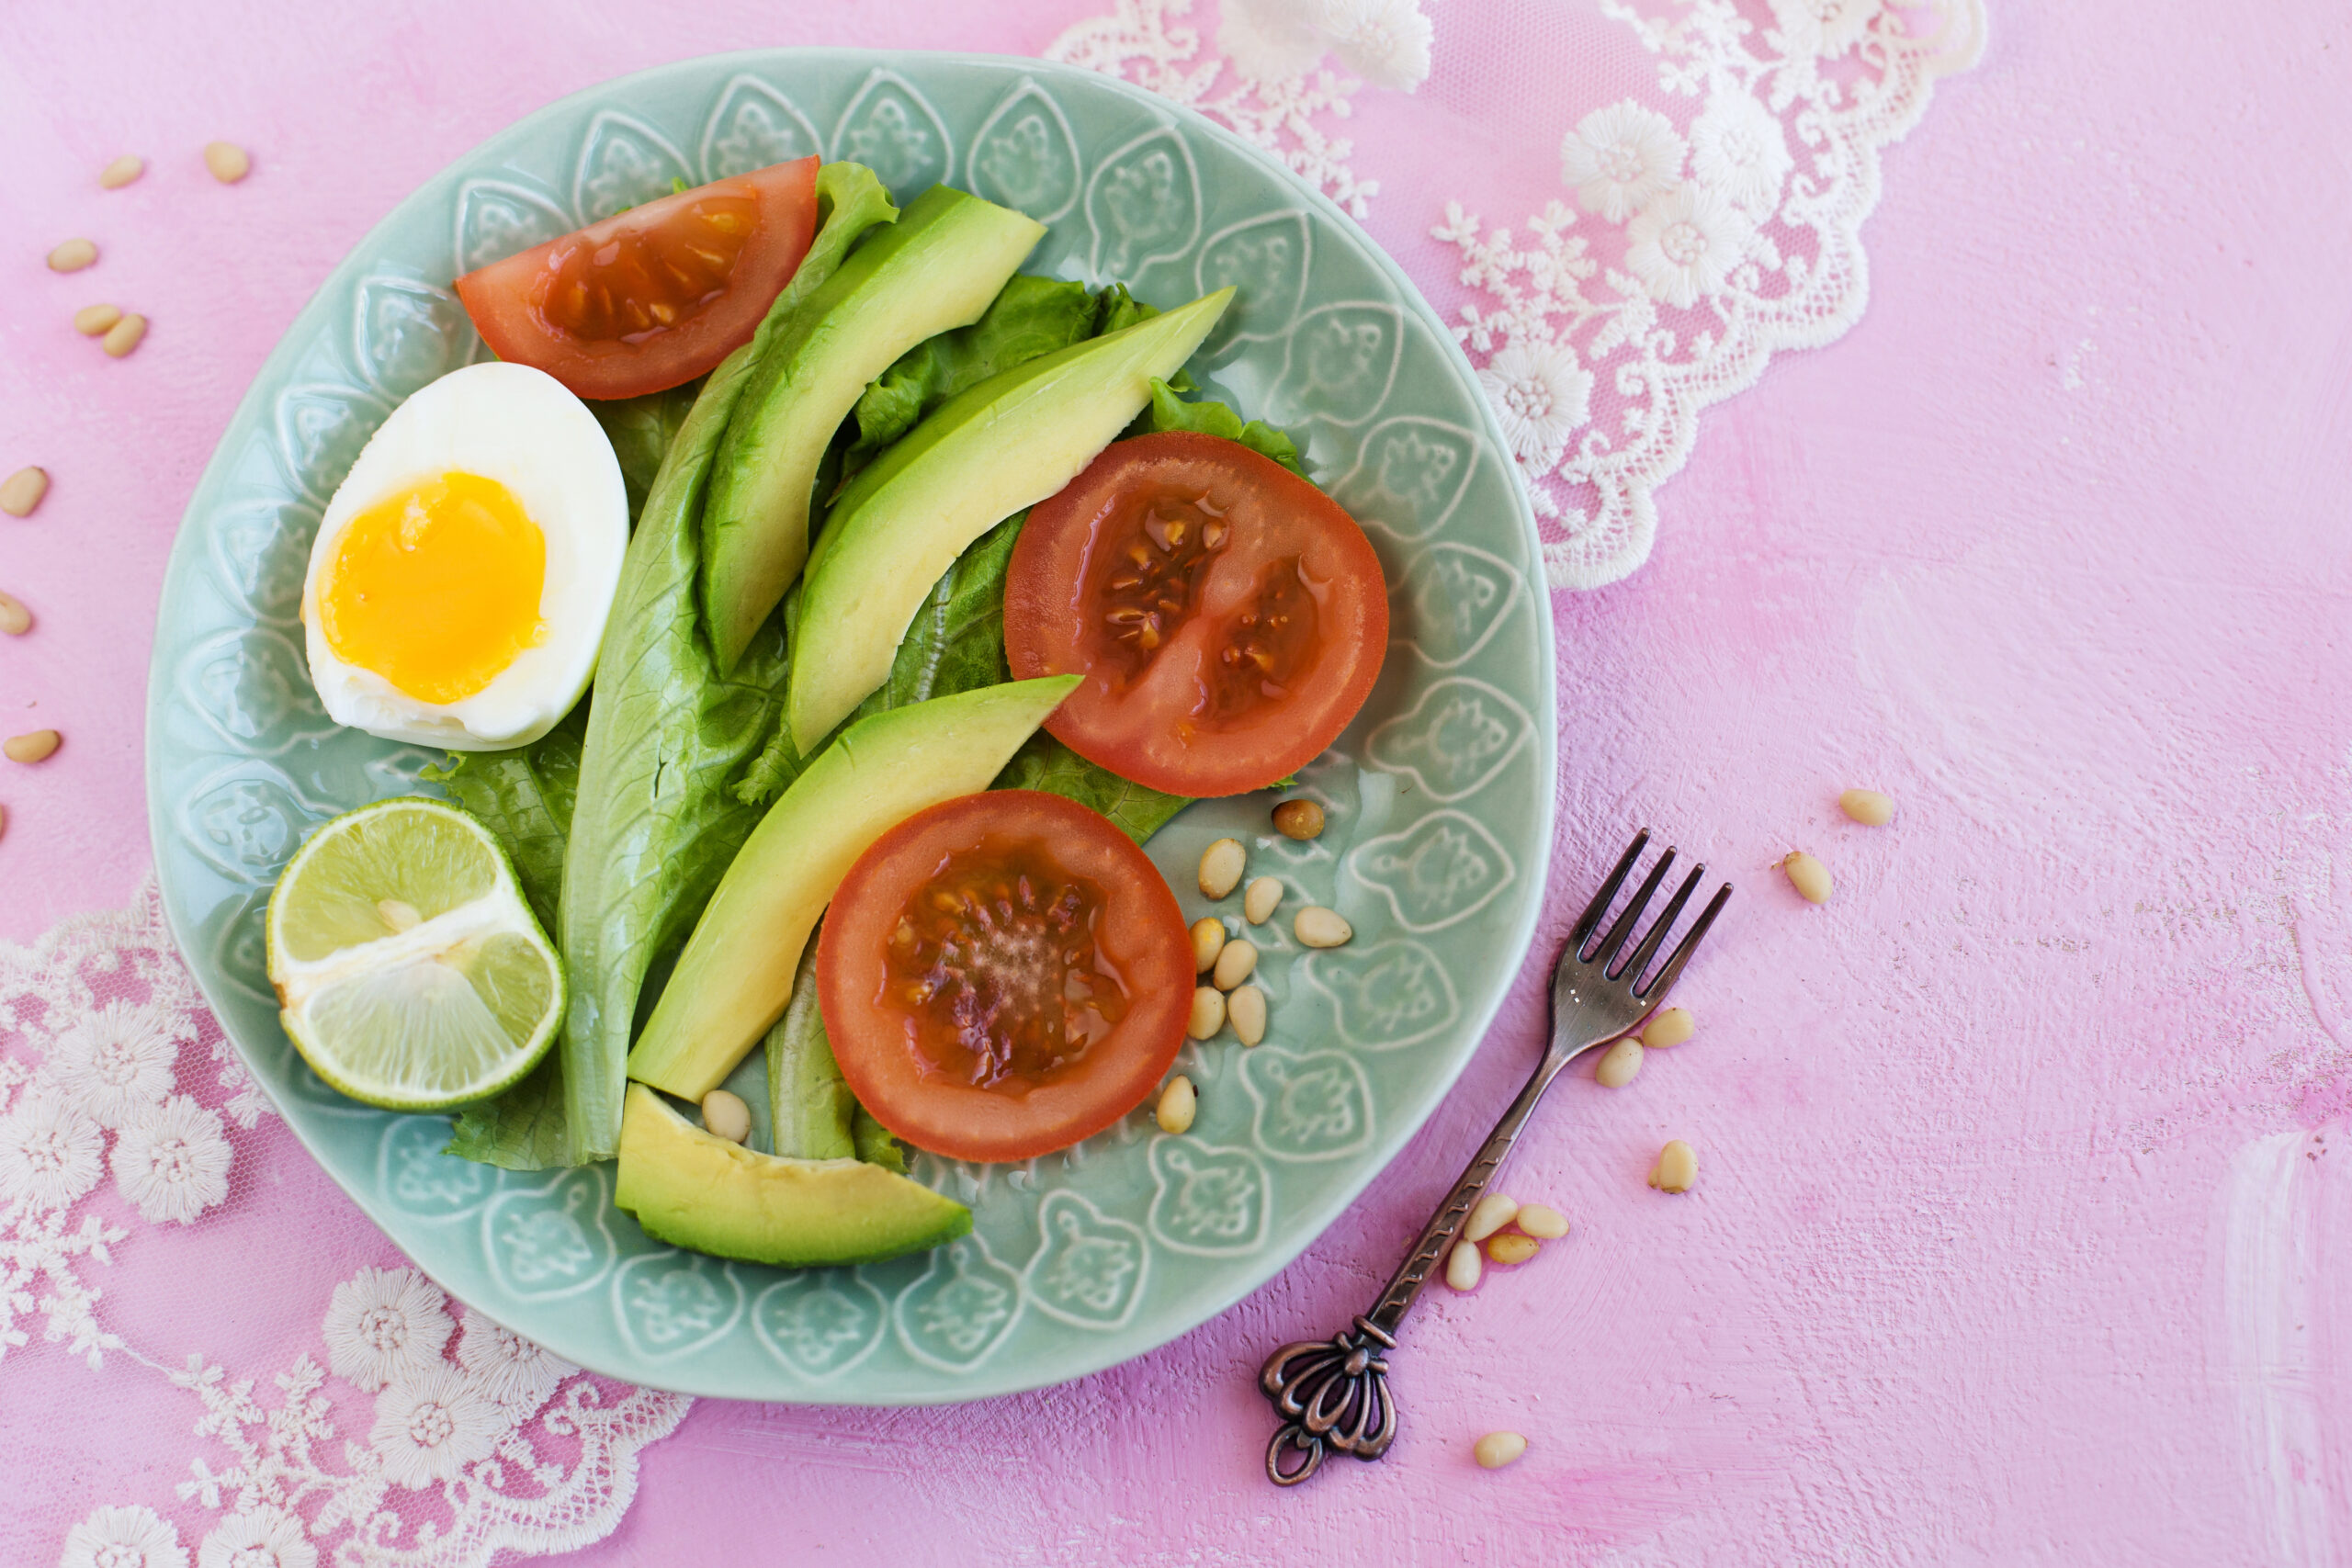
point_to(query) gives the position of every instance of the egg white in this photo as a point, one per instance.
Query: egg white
(524, 429)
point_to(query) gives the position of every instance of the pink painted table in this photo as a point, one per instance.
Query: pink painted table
(2024, 1233)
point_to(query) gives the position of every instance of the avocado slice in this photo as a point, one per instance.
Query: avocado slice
(1012, 441)
(736, 974)
(936, 268)
(694, 1190)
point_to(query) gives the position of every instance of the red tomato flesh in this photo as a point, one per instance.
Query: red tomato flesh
(1003, 975)
(1228, 617)
(654, 296)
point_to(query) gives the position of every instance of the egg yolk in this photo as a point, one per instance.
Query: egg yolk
(436, 587)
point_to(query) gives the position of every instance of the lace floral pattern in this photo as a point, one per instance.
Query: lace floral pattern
(1698, 234)
(110, 1064)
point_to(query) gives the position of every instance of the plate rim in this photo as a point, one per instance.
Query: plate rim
(188, 548)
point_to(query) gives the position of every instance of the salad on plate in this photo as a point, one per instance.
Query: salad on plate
(818, 612)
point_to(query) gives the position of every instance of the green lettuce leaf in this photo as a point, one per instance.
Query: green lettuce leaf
(1029, 318)
(657, 819)
(1044, 763)
(1168, 412)
(640, 430)
(521, 1129)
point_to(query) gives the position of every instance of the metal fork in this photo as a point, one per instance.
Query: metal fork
(1333, 1394)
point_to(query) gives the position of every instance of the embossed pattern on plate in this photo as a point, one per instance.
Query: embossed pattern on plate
(1438, 799)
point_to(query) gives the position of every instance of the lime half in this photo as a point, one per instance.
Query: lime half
(409, 973)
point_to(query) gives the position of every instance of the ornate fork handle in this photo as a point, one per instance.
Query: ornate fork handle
(1333, 1394)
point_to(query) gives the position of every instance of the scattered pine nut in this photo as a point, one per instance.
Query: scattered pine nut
(34, 746)
(1670, 1027)
(1179, 1103)
(1260, 899)
(1222, 865)
(1543, 1221)
(1463, 1266)
(1677, 1168)
(1316, 926)
(23, 490)
(1234, 964)
(1299, 819)
(399, 914)
(1868, 806)
(1496, 1450)
(124, 335)
(1490, 1214)
(229, 164)
(1510, 1249)
(4, 821)
(1208, 941)
(1619, 1063)
(724, 1115)
(121, 172)
(72, 255)
(92, 319)
(1246, 1010)
(1208, 1013)
(15, 619)
(1807, 876)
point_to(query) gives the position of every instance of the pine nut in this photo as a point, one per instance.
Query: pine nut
(35, 746)
(1807, 876)
(1222, 865)
(23, 492)
(1260, 899)
(1619, 1063)
(92, 319)
(1677, 1168)
(1463, 1266)
(725, 1115)
(1543, 1221)
(121, 172)
(1510, 1250)
(1669, 1028)
(1299, 819)
(72, 255)
(1234, 964)
(1496, 1450)
(124, 335)
(229, 163)
(1246, 1010)
(1490, 1214)
(4, 821)
(1208, 1013)
(1208, 941)
(1178, 1105)
(1316, 926)
(15, 619)
(1868, 806)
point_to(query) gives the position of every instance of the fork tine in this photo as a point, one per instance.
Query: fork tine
(1622, 932)
(1590, 919)
(1683, 950)
(1659, 930)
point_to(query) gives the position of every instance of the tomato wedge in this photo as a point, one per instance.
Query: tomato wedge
(1003, 975)
(1229, 619)
(654, 296)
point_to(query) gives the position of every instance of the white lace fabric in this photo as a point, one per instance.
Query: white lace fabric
(1695, 230)
(125, 1113)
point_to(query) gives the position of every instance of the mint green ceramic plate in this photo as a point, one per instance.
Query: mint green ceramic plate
(1439, 797)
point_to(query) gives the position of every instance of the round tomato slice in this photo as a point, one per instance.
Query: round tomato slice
(654, 296)
(1003, 975)
(1229, 619)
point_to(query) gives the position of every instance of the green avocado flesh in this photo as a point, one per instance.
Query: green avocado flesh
(1010, 441)
(936, 268)
(693, 1189)
(735, 977)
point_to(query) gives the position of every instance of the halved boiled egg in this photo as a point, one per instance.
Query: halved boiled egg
(462, 575)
